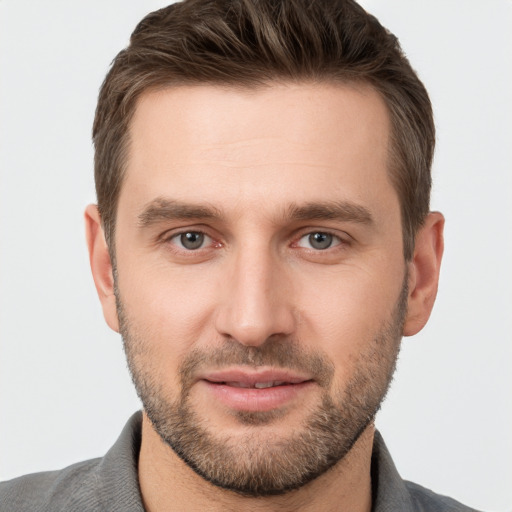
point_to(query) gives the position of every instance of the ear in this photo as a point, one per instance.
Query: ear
(424, 273)
(101, 265)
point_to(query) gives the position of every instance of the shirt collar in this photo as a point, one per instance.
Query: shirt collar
(118, 484)
(389, 493)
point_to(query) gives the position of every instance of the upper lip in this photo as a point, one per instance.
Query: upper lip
(250, 377)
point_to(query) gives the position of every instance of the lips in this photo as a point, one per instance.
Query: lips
(250, 390)
(267, 378)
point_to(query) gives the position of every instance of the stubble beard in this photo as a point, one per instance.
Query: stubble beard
(260, 463)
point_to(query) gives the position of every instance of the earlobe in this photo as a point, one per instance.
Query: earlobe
(424, 273)
(101, 265)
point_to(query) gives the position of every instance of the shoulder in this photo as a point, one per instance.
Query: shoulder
(107, 483)
(428, 501)
(72, 488)
(392, 493)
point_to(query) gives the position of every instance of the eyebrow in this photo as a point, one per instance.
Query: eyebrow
(331, 210)
(163, 209)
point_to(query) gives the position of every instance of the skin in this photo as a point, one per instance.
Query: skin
(251, 154)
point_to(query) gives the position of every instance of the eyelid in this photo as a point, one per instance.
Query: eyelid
(336, 241)
(343, 237)
(180, 230)
(207, 240)
(167, 237)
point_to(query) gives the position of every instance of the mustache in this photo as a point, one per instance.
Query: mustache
(276, 352)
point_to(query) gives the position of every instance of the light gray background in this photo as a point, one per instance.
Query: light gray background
(64, 390)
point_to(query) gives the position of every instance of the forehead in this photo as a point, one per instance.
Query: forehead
(281, 143)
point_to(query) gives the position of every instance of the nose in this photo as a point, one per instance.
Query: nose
(256, 300)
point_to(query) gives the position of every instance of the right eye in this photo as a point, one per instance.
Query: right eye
(191, 240)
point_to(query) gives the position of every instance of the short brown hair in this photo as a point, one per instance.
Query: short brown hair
(254, 42)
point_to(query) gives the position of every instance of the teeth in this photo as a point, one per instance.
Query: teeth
(257, 385)
(262, 385)
(239, 384)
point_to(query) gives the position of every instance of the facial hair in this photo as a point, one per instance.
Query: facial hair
(262, 464)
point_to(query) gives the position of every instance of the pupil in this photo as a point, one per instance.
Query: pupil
(192, 240)
(320, 240)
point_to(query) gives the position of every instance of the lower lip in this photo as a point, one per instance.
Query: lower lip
(252, 399)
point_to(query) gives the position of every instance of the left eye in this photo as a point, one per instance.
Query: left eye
(191, 240)
(319, 241)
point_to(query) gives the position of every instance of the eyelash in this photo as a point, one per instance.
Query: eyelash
(337, 240)
(190, 231)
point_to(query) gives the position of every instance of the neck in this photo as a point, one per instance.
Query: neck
(167, 483)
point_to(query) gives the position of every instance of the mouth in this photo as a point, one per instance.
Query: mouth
(258, 379)
(256, 385)
(265, 390)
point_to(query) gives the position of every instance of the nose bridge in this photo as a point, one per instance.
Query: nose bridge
(255, 303)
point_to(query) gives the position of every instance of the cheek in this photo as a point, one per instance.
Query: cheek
(168, 309)
(343, 312)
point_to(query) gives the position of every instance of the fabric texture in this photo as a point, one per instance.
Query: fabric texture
(110, 484)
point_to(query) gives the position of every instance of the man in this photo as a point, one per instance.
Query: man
(262, 241)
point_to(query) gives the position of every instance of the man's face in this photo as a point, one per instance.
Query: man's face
(261, 284)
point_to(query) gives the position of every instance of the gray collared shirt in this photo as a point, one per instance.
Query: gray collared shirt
(110, 484)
